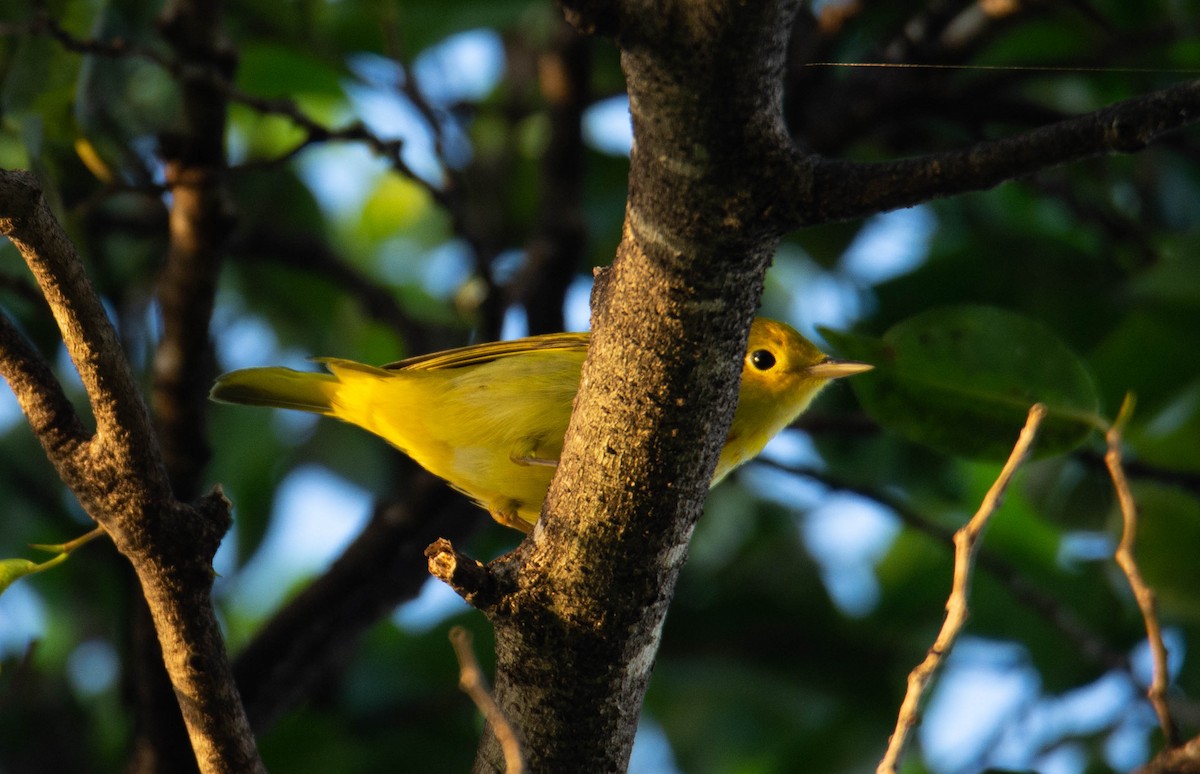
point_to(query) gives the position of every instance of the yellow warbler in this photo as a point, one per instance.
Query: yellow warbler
(490, 418)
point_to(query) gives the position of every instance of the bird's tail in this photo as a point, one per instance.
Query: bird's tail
(278, 387)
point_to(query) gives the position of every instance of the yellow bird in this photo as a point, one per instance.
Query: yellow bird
(490, 418)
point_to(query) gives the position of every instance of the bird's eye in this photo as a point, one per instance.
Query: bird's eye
(762, 359)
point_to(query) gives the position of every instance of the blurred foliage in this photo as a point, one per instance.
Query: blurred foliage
(768, 663)
(961, 380)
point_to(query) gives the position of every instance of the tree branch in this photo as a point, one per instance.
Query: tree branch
(823, 190)
(315, 132)
(586, 593)
(47, 408)
(1147, 605)
(557, 247)
(198, 224)
(472, 682)
(119, 478)
(471, 579)
(310, 636)
(122, 422)
(966, 543)
(1184, 759)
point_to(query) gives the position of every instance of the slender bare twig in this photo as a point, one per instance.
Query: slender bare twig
(1067, 621)
(1157, 692)
(69, 546)
(472, 682)
(966, 542)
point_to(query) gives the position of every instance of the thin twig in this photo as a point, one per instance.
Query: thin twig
(411, 90)
(966, 541)
(315, 132)
(472, 682)
(1067, 621)
(1157, 692)
(70, 545)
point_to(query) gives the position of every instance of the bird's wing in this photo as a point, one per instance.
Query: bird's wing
(494, 350)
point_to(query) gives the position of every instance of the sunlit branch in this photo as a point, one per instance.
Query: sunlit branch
(46, 406)
(1157, 692)
(119, 477)
(122, 422)
(966, 543)
(471, 579)
(1175, 760)
(472, 682)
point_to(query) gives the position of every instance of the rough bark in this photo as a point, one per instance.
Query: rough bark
(1184, 759)
(198, 223)
(714, 181)
(120, 479)
(586, 595)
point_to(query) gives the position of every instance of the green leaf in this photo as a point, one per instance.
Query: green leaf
(961, 380)
(12, 570)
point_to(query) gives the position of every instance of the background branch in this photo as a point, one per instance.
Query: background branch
(216, 81)
(119, 478)
(822, 190)
(557, 248)
(310, 637)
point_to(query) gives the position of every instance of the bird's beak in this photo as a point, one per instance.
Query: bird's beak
(831, 368)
